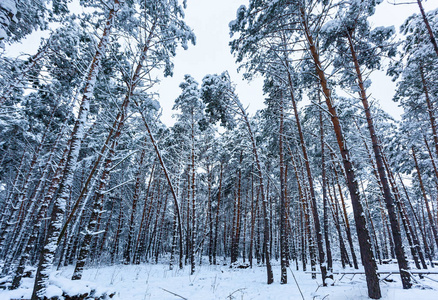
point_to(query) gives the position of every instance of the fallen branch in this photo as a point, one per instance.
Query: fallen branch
(174, 294)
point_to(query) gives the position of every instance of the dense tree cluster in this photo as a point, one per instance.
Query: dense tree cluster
(89, 175)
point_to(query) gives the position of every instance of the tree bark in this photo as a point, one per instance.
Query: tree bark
(216, 232)
(429, 29)
(362, 232)
(264, 200)
(325, 200)
(426, 201)
(283, 220)
(387, 195)
(314, 207)
(51, 241)
(172, 190)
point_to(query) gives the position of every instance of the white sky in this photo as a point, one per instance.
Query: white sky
(209, 19)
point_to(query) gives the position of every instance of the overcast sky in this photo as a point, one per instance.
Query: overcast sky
(209, 19)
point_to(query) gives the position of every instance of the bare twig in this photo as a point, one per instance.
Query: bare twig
(296, 282)
(238, 290)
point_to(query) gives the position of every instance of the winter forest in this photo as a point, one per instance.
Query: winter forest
(319, 195)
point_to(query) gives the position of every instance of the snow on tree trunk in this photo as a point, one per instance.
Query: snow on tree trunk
(283, 219)
(56, 219)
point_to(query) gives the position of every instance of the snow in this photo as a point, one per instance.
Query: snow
(9, 6)
(7, 9)
(3, 34)
(148, 281)
(53, 291)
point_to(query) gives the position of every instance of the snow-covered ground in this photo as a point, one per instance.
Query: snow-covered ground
(149, 281)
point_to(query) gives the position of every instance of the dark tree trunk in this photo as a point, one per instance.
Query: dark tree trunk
(254, 209)
(429, 29)
(283, 219)
(362, 232)
(141, 229)
(138, 180)
(314, 207)
(216, 232)
(426, 201)
(335, 212)
(346, 221)
(325, 200)
(389, 200)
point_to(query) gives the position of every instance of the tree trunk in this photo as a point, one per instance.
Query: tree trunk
(362, 232)
(335, 212)
(143, 219)
(283, 220)
(413, 212)
(74, 145)
(138, 180)
(325, 200)
(429, 29)
(426, 201)
(346, 221)
(193, 190)
(254, 209)
(172, 190)
(97, 209)
(264, 200)
(387, 195)
(217, 216)
(430, 109)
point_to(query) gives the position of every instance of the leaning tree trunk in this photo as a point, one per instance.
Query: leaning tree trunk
(430, 109)
(31, 235)
(10, 208)
(410, 231)
(314, 207)
(387, 195)
(51, 241)
(406, 224)
(19, 218)
(426, 201)
(345, 217)
(137, 248)
(96, 210)
(325, 200)
(264, 200)
(427, 249)
(166, 174)
(138, 180)
(362, 232)
(429, 29)
(118, 123)
(98, 202)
